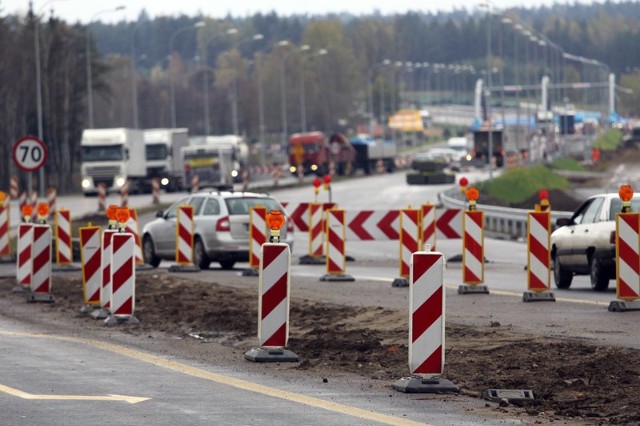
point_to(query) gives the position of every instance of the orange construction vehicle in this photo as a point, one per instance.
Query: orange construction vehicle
(315, 152)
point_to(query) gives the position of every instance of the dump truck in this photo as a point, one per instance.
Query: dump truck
(370, 151)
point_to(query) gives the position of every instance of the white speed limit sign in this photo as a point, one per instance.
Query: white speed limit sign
(29, 153)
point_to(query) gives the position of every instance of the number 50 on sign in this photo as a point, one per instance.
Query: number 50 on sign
(29, 153)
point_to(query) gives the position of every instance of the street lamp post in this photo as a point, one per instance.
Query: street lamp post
(88, 55)
(234, 91)
(172, 87)
(303, 102)
(370, 92)
(283, 92)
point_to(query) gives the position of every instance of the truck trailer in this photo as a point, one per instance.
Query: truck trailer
(369, 151)
(163, 152)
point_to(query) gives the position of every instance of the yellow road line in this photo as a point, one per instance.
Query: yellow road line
(230, 381)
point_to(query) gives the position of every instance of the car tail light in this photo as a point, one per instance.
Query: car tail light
(612, 238)
(223, 225)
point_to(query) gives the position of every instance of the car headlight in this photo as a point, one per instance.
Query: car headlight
(120, 182)
(234, 173)
(86, 183)
(292, 169)
(314, 167)
(164, 181)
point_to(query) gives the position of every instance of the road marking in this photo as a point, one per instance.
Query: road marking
(109, 397)
(230, 381)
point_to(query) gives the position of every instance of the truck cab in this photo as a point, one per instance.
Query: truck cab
(164, 157)
(314, 152)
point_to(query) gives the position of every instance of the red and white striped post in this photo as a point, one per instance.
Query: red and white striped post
(40, 285)
(124, 194)
(64, 255)
(52, 193)
(472, 247)
(5, 218)
(195, 183)
(102, 197)
(105, 272)
(316, 234)
(123, 279)
(428, 227)
(184, 241)
(14, 190)
(90, 255)
(426, 326)
(133, 228)
(538, 257)
(24, 257)
(257, 237)
(155, 190)
(336, 247)
(409, 244)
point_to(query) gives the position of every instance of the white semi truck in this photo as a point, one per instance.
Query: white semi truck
(233, 143)
(163, 151)
(113, 157)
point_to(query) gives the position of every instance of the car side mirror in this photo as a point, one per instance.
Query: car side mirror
(563, 221)
(160, 213)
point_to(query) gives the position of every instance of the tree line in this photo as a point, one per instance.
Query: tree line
(218, 76)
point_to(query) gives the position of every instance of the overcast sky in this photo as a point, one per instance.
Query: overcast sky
(86, 10)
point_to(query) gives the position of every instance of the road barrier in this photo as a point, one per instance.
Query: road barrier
(257, 237)
(426, 326)
(336, 247)
(64, 254)
(105, 267)
(184, 241)
(409, 241)
(24, 258)
(14, 190)
(52, 193)
(102, 197)
(427, 227)
(123, 279)
(372, 225)
(124, 194)
(132, 228)
(90, 257)
(155, 190)
(472, 253)
(273, 305)
(40, 284)
(316, 230)
(5, 222)
(627, 255)
(538, 257)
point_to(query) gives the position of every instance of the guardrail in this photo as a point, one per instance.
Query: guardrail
(499, 222)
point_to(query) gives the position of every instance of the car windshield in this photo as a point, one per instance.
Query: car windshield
(242, 205)
(616, 207)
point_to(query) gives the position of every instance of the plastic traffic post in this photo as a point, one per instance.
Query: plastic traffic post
(184, 241)
(538, 258)
(105, 264)
(133, 228)
(90, 258)
(5, 246)
(472, 247)
(409, 244)
(63, 237)
(627, 255)
(273, 299)
(257, 237)
(427, 227)
(336, 247)
(426, 326)
(316, 236)
(24, 250)
(40, 284)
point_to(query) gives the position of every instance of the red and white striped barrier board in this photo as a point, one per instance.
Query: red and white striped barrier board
(184, 235)
(41, 272)
(257, 234)
(124, 194)
(539, 251)
(627, 255)
(428, 227)
(33, 200)
(5, 248)
(90, 256)
(123, 274)
(52, 193)
(409, 238)
(273, 306)
(132, 228)
(155, 190)
(370, 225)
(102, 197)
(449, 224)
(195, 183)
(13, 189)
(316, 230)
(473, 247)
(24, 258)
(64, 255)
(299, 217)
(336, 250)
(426, 324)
(105, 266)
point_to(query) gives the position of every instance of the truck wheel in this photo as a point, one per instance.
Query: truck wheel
(561, 276)
(598, 275)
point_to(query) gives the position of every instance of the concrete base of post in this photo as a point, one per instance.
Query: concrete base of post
(117, 320)
(270, 355)
(40, 298)
(19, 289)
(72, 267)
(336, 277)
(538, 296)
(473, 289)
(424, 385)
(313, 260)
(624, 305)
(100, 313)
(184, 268)
(250, 272)
(88, 309)
(400, 282)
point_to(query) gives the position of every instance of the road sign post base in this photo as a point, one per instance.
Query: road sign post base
(100, 313)
(313, 260)
(270, 355)
(65, 268)
(473, 289)
(624, 305)
(400, 282)
(538, 296)
(424, 385)
(250, 272)
(19, 289)
(143, 267)
(40, 298)
(117, 320)
(336, 277)
(184, 268)
(87, 309)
